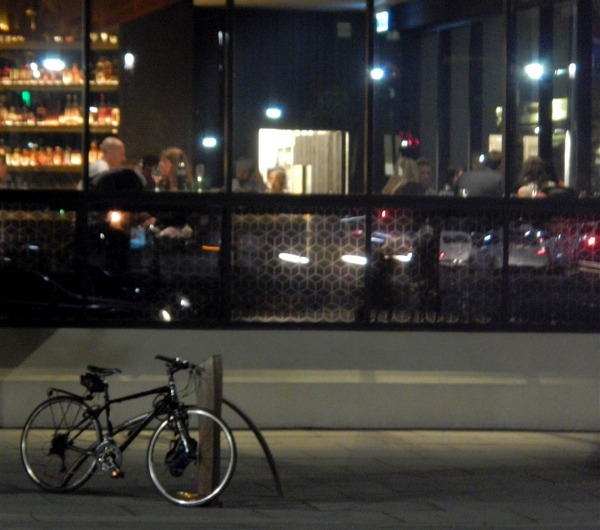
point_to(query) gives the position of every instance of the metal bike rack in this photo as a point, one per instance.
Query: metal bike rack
(261, 441)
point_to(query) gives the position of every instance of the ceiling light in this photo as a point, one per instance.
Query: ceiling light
(209, 142)
(534, 71)
(377, 74)
(273, 113)
(54, 64)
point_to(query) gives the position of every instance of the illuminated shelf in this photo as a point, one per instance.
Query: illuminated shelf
(45, 169)
(57, 46)
(57, 129)
(58, 87)
(51, 93)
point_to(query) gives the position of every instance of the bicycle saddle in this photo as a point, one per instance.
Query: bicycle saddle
(103, 372)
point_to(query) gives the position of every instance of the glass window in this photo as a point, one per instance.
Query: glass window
(440, 106)
(285, 89)
(442, 96)
(545, 73)
(297, 95)
(43, 99)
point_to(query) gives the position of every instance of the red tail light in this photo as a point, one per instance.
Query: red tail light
(541, 251)
(592, 241)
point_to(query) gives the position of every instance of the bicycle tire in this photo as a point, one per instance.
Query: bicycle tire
(183, 480)
(57, 444)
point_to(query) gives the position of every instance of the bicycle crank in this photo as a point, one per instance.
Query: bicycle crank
(109, 459)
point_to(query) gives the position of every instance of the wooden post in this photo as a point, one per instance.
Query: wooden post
(209, 396)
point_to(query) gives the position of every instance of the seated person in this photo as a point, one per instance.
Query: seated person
(483, 181)
(175, 176)
(247, 177)
(145, 167)
(119, 179)
(113, 158)
(175, 170)
(112, 152)
(277, 179)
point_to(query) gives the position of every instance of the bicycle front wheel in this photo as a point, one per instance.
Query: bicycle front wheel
(57, 443)
(197, 474)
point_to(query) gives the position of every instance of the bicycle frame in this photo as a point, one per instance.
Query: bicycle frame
(139, 422)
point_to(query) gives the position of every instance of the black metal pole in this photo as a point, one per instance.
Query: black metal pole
(546, 83)
(225, 256)
(85, 98)
(509, 121)
(82, 215)
(510, 144)
(369, 106)
(368, 154)
(228, 93)
(582, 101)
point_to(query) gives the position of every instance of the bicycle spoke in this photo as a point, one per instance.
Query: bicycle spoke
(187, 476)
(57, 444)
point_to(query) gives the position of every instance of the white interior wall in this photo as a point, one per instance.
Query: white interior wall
(333, 379)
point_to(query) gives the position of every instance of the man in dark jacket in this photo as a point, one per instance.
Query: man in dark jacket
(485, 182)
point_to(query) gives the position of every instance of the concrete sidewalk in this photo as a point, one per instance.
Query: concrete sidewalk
(343, 480)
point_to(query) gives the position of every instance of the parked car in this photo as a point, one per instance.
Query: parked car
(389, 243)
(455, 248)
(589, 246)
(562, 251)
(527, 248)
(575, 243)
(27, 295)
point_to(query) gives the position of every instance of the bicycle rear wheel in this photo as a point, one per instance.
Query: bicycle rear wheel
(57, 444)
(185, 476)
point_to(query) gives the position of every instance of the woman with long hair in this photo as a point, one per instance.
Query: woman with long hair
(175, 170)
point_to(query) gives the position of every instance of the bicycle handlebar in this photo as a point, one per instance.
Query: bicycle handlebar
(175, 363)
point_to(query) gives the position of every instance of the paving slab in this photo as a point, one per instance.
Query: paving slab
(366, 480)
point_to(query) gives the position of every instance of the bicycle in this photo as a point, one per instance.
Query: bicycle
(63, 441)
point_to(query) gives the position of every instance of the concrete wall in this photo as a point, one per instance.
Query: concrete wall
(333, 379)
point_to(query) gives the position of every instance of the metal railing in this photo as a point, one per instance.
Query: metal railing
(231, 260)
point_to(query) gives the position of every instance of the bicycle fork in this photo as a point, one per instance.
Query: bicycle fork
(183, 449)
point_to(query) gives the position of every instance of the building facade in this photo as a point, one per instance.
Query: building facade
(368, 292)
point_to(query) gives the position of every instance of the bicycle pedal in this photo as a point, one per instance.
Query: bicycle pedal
(191, 496)
(117, 473)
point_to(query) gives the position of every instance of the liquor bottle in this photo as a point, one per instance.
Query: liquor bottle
(3, 109)
(94, 154)
(76, 114)
(103, 111)
(66, 161)
(40, 113)
(57, 157)
(115, 116)
(76, 158)
(76, 76)
(66, 117)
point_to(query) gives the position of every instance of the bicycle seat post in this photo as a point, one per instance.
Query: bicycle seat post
(109, 425)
